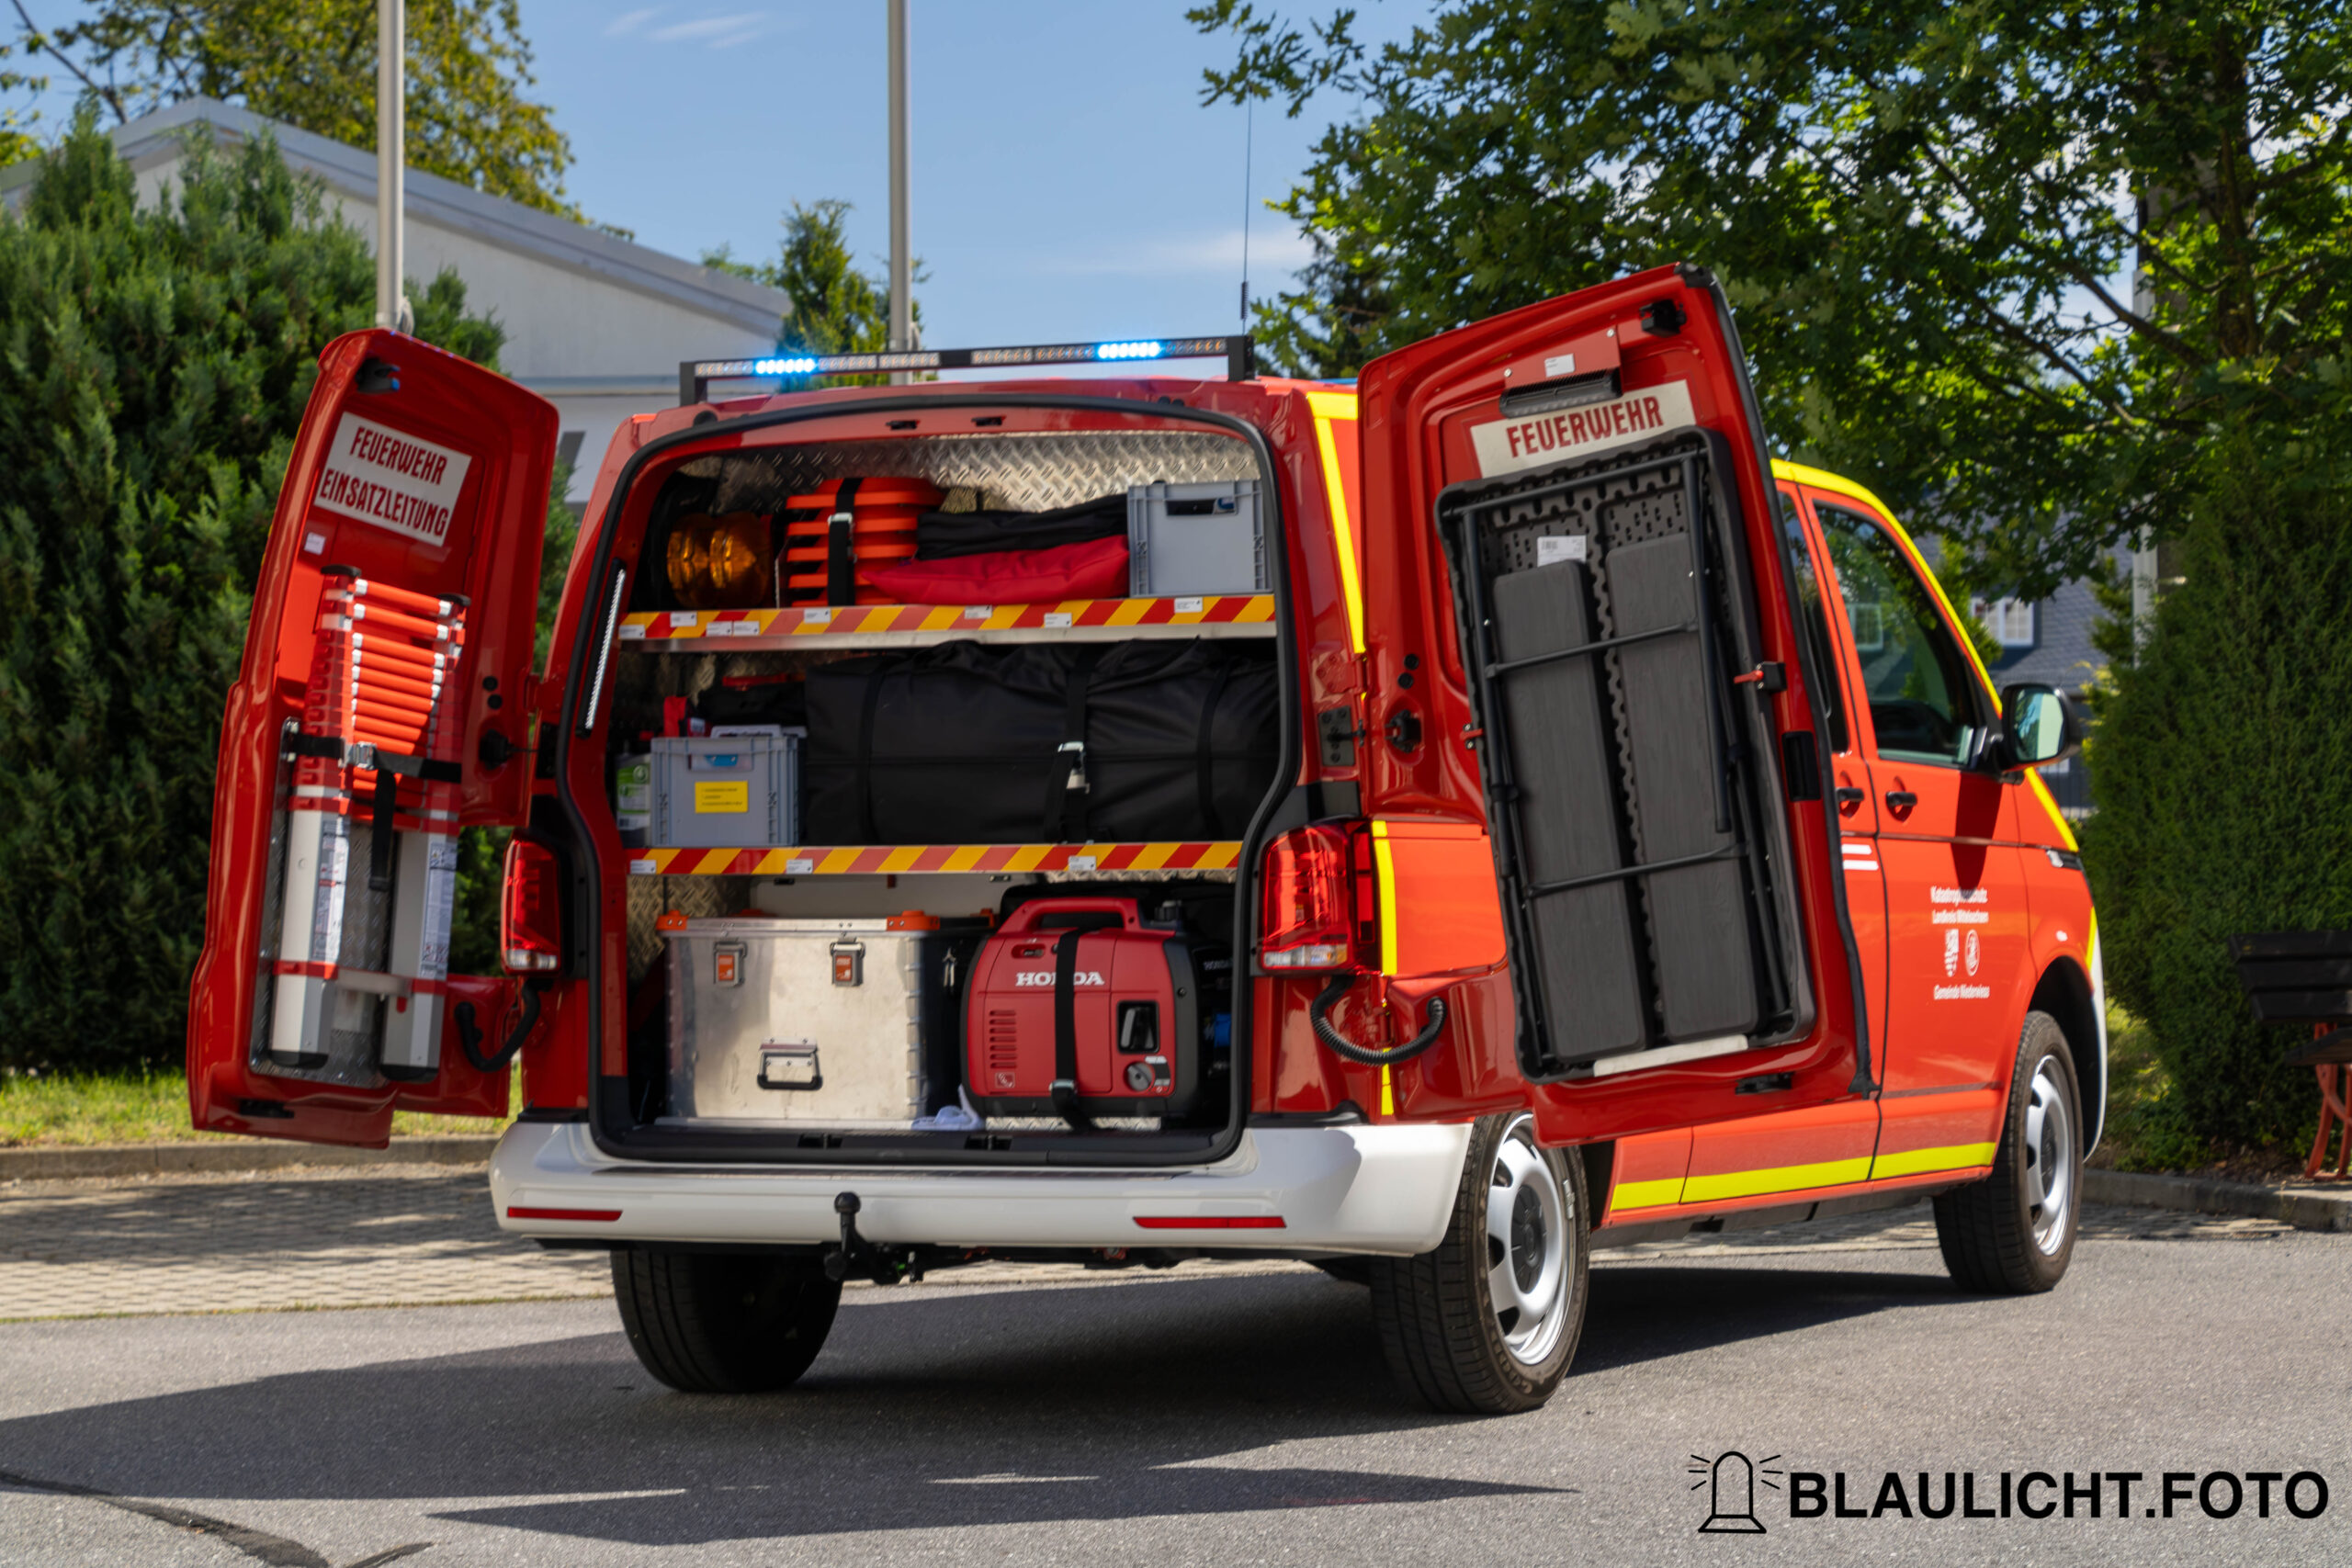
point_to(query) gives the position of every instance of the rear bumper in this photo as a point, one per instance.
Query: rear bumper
(1352, 1189)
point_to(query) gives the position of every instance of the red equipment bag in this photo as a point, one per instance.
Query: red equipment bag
(829, 535)
(1079, 1008)
(1094, 569)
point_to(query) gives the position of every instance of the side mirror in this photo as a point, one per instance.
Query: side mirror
(2042, 724)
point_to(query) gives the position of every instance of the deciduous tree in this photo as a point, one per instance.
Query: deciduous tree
(2025, 262)
(312, 63)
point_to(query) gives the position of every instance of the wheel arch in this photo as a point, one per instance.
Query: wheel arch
(2064, 993)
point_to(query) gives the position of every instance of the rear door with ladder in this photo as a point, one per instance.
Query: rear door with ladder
(1617, 685)
(383, 704)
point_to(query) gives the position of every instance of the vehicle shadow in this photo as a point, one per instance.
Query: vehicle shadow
(924, 1411)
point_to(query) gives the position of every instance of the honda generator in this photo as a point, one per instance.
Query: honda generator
(1083, 1007)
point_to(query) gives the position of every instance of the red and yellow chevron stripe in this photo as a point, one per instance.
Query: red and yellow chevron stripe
(867, 620)
(895, 859)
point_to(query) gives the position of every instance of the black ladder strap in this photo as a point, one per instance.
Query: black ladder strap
(381, 835)
(840, 545)
(390, 768)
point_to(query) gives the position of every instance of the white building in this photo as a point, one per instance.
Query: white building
(594, 323)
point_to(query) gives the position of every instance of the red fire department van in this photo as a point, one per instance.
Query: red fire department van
(1430, 829)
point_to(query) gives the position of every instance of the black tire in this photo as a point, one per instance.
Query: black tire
(1448, 1340)
(2013, 1233)
(722, 1323)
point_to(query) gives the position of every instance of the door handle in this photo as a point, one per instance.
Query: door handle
(1848, 798)
(1901, 799)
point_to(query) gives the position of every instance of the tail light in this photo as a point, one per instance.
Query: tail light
(530, 927)
(1322, 900)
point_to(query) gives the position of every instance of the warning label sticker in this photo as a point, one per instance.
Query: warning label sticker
(393, 480)
(729, 795)
(1509, 444)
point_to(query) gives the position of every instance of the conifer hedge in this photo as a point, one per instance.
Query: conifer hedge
(2222, 770)
(155, 361)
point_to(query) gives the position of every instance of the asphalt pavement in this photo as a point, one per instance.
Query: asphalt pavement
(1207, 1417)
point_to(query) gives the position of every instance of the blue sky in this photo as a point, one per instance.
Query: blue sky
(1067, 184)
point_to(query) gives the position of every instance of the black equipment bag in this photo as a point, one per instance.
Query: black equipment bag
(942, 536)
(967, 744)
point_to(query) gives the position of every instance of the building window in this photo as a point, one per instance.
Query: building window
(2011, 621)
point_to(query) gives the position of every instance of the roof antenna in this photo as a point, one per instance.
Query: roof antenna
(1249, 137)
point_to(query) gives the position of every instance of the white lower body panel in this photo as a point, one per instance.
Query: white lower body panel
(1352, 1189)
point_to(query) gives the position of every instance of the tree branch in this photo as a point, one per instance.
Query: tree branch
(40, 43)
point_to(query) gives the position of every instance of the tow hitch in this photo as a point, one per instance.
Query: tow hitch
(884, 1265)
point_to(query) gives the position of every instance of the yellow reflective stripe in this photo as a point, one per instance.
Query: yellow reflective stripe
(1342, 532)
(2057, 818)
(1387, 1091)
(1782, 1178)
(1384, 862)
(1821, 478)
(1644, 1194)
(1912, 1162)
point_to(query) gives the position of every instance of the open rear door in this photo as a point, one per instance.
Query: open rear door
(383, 704)
(1592, 473)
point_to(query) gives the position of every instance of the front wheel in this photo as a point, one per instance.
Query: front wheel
(1486, 1324)
(2013, 1233)
(724, 1323)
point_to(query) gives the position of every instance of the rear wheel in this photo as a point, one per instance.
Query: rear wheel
(722, 1323)
(1486, 1324)
(2013, 1233)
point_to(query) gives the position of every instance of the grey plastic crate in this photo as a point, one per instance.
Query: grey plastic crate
(1196, 539)
(734, 791)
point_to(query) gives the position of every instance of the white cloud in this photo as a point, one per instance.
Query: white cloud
(628, 22)
(1273, 255)
(719, 32)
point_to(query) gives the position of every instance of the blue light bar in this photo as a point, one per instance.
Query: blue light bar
(695, 375)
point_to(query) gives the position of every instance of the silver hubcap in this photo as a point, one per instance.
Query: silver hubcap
(1527, 1222)
(2049, 1159)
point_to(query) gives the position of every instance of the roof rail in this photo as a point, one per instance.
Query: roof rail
(1240, 353)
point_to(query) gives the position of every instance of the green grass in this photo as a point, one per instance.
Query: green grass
(57, 1111)
(2145, 1128)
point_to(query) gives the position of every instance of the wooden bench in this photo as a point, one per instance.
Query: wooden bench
(2306, 977)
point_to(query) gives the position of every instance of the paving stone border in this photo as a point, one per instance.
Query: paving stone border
(2305, 1208)
(218, 1155)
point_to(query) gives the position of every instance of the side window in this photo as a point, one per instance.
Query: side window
(1812, 624)
(1921, 691)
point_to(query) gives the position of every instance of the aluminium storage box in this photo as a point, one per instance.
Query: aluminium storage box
(1196, 539)
(736, 789)
(843, 1022)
